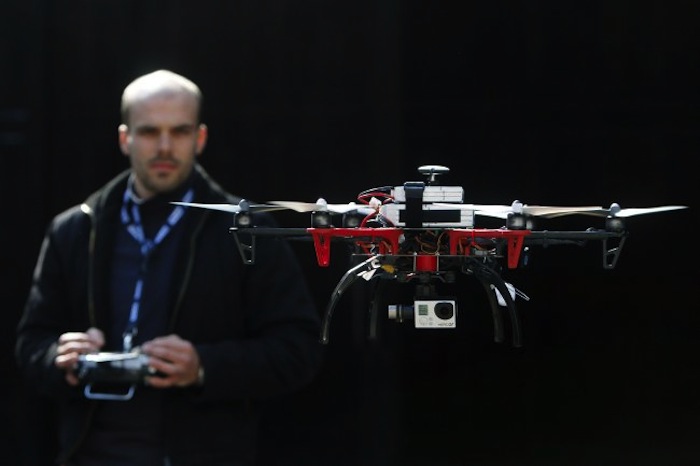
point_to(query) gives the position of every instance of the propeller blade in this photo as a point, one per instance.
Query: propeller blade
(231, 208)
(321, 204)
(297, 206)
(616, 211)
(502, 211)
(552, 211)
(630, 212)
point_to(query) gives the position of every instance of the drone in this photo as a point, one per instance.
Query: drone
(423, 233)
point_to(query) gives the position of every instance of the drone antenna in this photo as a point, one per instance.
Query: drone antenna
(432, 171)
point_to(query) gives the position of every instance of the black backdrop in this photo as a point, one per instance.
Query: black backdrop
(563, 103)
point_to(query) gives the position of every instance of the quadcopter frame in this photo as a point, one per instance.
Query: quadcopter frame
(404, 254)
(422, 232)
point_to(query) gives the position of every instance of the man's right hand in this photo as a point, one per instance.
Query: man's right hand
(71, 345)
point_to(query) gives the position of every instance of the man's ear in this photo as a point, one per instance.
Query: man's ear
(123, 131)
(202, 135)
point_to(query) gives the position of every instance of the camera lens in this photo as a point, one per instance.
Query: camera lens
(444, 310)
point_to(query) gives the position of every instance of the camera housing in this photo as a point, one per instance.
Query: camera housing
(427, 313)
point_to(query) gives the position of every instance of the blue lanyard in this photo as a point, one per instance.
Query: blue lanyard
(135, 229)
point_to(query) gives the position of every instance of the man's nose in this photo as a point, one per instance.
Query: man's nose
(165, 142)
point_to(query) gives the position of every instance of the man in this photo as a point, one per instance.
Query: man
(127, 271)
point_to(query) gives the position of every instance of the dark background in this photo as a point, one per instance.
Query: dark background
(560, 103)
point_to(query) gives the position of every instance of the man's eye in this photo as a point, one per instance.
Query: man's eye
(147, 132)
(183, 131)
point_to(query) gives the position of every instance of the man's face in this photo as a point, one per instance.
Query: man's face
(162, 140)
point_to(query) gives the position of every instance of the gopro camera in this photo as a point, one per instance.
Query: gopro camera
(114, 369)
(427, 313)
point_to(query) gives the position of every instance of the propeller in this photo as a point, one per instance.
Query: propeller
(243, 206)
(517, 207)
(323, 206)
(618, 212)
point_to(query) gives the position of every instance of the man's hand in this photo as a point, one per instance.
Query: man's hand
(71, 345)
(175, 359)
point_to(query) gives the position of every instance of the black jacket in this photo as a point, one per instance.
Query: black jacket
(255, 326)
